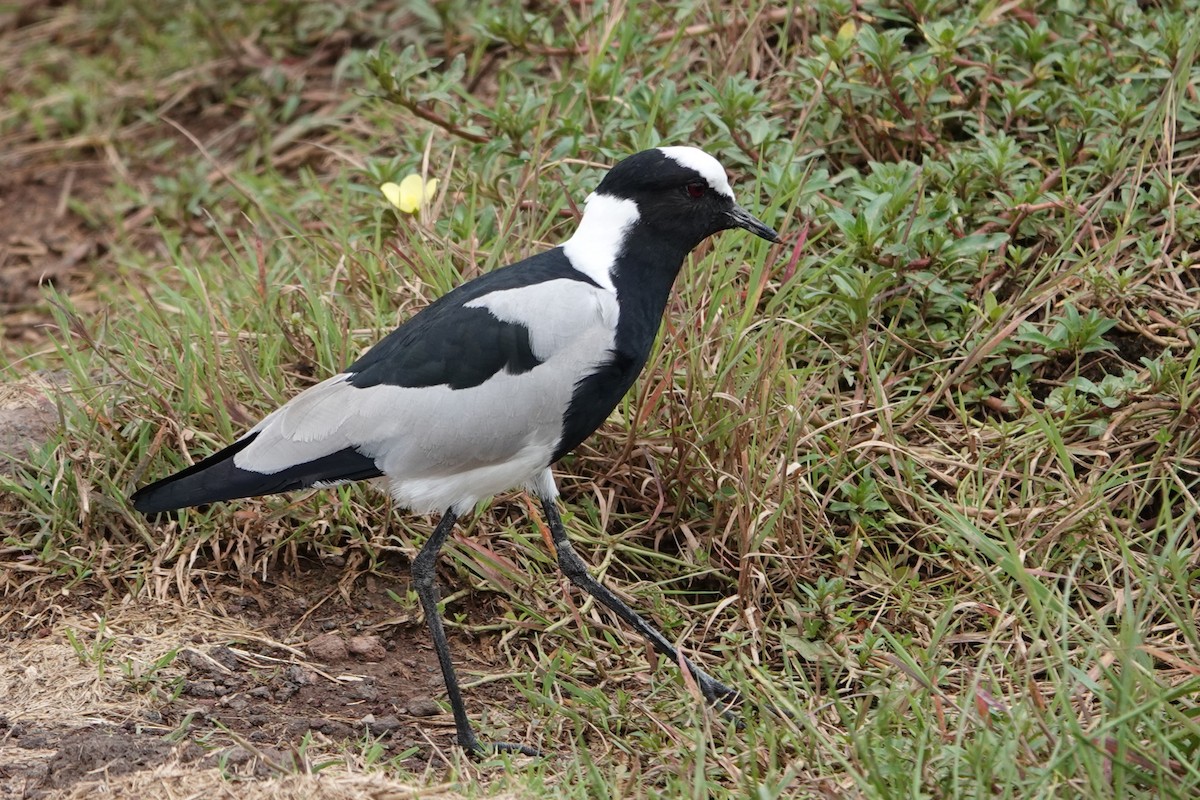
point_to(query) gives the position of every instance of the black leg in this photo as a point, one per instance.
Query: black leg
(577, 572)
(424, 572)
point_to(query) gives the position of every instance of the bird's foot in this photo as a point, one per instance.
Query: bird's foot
(717, 693)
(722, 698)
(725, 699)
(479, 750)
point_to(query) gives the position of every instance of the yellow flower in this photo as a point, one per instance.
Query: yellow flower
(411, 193)
(846, 33)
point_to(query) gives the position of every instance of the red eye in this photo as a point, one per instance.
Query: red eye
(695, 190)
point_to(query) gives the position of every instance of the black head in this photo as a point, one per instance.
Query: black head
(681, 193)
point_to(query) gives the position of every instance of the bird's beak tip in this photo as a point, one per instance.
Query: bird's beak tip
(744, 219)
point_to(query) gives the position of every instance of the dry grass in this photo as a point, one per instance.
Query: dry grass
(183, 781)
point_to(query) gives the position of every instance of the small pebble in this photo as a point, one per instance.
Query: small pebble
(383, 725)
(423, 707)
(200, 689)
(367, 648)
(298, 675)
(327, 648)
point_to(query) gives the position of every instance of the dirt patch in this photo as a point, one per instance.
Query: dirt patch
(84, 752)
(276, 695)
(111, 690)
(118, 764)
(332, 783)
(28, 418)
(43, 242)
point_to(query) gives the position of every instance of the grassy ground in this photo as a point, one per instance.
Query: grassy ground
(926, 475)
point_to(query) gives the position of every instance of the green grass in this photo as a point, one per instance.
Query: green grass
(926, 476)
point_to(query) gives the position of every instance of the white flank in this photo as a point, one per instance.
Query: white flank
(709, 168)
(594, 248)
(542, 485)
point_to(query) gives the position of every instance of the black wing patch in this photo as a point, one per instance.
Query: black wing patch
(451, 344)
(461, 353)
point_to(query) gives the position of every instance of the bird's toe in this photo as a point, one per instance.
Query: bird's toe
(480, 750)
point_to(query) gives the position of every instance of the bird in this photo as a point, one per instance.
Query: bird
(484, 389)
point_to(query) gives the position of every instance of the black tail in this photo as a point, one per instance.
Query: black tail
(217, 478)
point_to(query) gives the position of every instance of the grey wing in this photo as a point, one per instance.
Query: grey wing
(436, 430)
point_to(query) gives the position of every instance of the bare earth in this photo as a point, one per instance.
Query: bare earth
(144, 696)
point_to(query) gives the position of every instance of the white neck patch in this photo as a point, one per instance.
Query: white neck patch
(597, 242)
(709, 168)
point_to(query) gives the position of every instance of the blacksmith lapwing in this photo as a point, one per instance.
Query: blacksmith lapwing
(487, 387)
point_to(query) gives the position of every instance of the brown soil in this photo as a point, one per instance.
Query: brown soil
(261, 668)
(43, 242)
